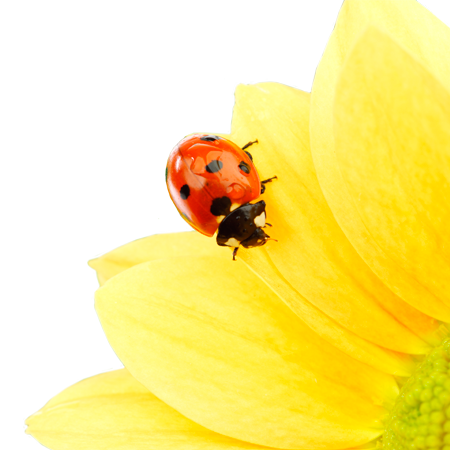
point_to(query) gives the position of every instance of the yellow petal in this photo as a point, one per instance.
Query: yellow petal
(114, 411)
(400, 182)
(388, 361)
(155, 247)
(209, 339)
(313, 256)
(189, 243)
(408, 22)
(428, 40)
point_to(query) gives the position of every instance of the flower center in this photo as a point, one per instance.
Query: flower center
(420, 418)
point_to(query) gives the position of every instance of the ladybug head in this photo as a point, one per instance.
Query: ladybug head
(243, 226)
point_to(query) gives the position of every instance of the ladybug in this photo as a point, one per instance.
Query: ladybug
(212, 182)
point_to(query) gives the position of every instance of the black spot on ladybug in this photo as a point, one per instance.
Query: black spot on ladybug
(244, 167)
(249, 155)
(221, 206)
(214, 166)
(185, 192)
(210, 138)
(167, 172)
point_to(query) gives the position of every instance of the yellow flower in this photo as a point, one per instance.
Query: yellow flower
(300, 344)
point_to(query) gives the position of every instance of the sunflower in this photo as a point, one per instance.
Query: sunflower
(335, 336)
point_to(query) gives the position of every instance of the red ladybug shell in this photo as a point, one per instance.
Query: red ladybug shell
(207, 178)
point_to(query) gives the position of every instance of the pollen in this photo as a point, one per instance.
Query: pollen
(421, 416)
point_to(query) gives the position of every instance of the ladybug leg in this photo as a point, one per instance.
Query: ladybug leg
(234, 253)
(268, 224)
(263, 187)
(269, 180)
(268, 238)
(247, 146)
(249, 143)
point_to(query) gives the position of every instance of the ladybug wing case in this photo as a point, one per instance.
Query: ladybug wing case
(187, 192)
(207, 178)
